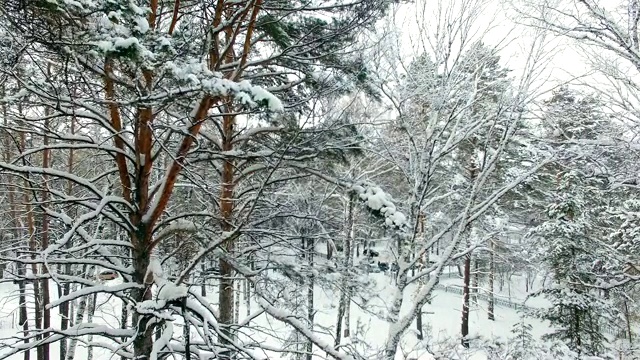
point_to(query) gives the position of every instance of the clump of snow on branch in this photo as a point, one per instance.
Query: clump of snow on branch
(171, 292)
(380, 203)
(168, 291)
(194, 72)
(179, 225)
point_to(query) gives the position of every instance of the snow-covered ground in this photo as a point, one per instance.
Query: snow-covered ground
(441, 321)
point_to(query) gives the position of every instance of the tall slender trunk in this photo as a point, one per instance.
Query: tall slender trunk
(225, 293)
(203, 278)
(18, 233)
(345, 299)
(628, 322)
(492, 271)
(46, 311)
(22, 298)
(247, 297)
(310, 299)
(66, 269)
(236, 306)
(476, 273)
(33, 247)
(465, 301)
(71, 350)
(473, 173)
(124, 319)
(91, 309)
(420, 335)
(339, 322)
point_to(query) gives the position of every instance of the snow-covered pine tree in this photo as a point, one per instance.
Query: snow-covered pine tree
(572, 241)
(521, 343)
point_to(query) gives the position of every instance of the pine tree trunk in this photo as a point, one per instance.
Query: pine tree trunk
(465, 301)
(492, 270)
(225, 293)
(143, 341)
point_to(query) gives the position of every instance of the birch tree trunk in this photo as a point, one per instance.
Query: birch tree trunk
(91, 309)
(82, 306)
(345, 298)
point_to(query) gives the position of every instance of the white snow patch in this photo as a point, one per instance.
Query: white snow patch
(169, 292)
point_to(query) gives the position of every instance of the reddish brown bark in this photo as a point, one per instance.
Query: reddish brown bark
(226, 210)
(116, 123)
(174, 18)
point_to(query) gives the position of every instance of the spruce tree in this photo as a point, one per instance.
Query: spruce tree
(569, 240)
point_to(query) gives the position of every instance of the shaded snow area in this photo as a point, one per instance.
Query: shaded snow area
(441, 320)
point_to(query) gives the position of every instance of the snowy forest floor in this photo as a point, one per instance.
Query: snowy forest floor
(441, 321)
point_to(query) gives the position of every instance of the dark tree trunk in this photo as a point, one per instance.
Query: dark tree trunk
(124, 320)
(492, 271)
(628, 321)
(22, 298)
(465, 301)
(476, 283)
(203, 277)
(339, 323)
(143, 342)
(420, 335)
(310, 298)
